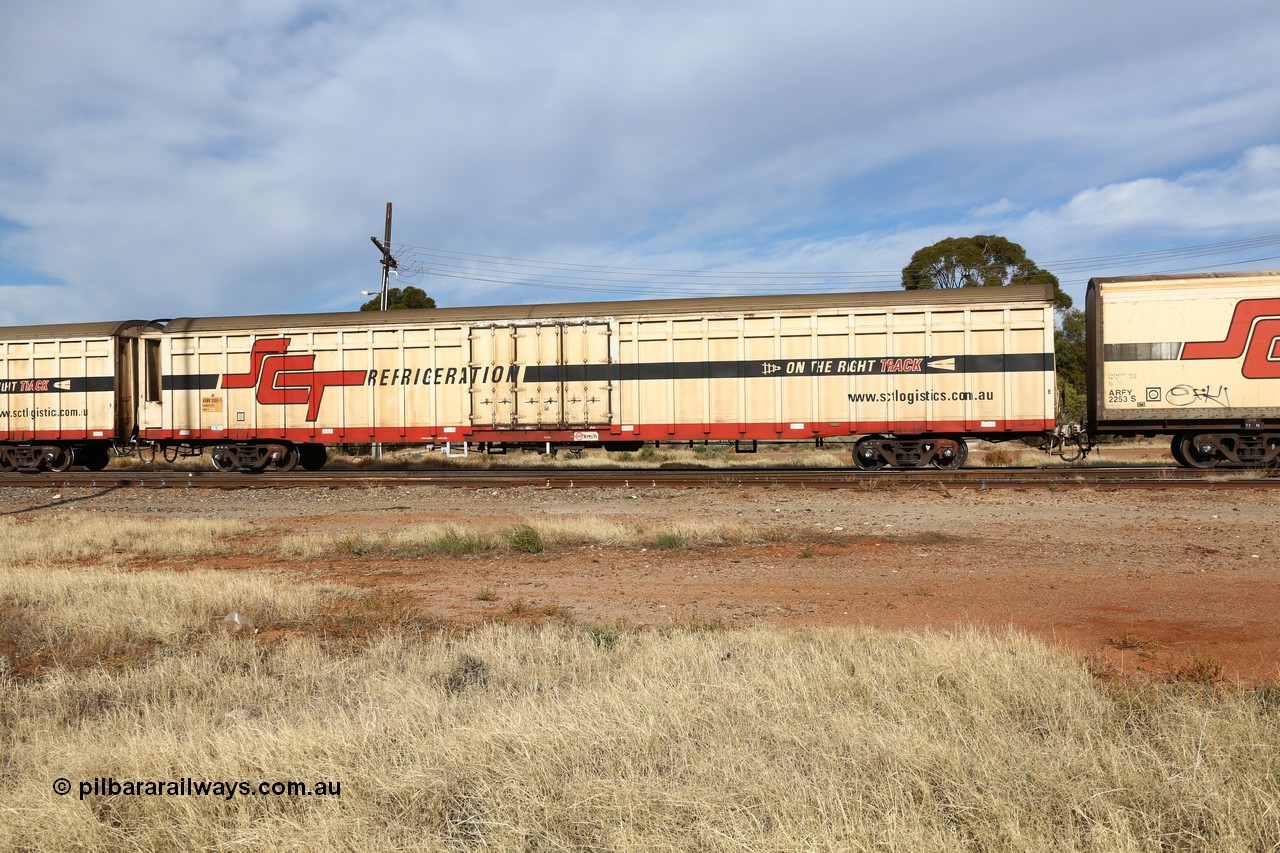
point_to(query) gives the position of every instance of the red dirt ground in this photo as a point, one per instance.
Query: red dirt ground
(1139, 581)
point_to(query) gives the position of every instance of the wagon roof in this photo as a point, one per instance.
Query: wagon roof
(73, 331)
(1037, 294)
(1197, 276)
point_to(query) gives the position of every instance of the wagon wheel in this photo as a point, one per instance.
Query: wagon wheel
(951, 453)
(1193, 455)
(867, 456)
(292, 456)
(312, 456)
(6, 461)
(224, 459)
(58, 460)
(93, 458)
(1175, 450)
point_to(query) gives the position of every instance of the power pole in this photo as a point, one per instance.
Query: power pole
(388, 262)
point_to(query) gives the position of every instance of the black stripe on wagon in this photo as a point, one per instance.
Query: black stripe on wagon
(1014, 362)
(190, 381)
(57, 385)
(1029, 362)
(1164, 351)
(779, 368)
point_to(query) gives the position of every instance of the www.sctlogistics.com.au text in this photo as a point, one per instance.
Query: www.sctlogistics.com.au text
(42, 413)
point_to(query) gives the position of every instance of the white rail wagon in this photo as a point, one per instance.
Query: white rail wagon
(1197, 356)
(66, 394)
(912, 372)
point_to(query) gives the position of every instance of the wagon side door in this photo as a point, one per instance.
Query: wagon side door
(587, 364)
(150, 386)
(126, 386)
(515, 376)
(541, 375)
(495, 370)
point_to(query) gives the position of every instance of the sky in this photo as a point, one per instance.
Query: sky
(163, 159)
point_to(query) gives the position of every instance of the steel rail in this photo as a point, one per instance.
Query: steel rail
(686, 477)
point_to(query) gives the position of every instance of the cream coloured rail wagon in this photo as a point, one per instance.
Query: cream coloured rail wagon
(1197, 356)
(66, 394)
(914, 373)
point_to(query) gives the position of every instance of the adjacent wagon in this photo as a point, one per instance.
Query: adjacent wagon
(1195, 356)
(66, 393)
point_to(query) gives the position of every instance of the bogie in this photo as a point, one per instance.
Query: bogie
(256, 457)
(877, 451)
(1235, 449)
(32, 458)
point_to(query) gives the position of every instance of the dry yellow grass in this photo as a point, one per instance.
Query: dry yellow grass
(449, 539)
(60, 538)
(1003, 456)
(69, 617)
(580, 738)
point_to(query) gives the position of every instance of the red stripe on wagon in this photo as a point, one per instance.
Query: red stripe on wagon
(608, 432)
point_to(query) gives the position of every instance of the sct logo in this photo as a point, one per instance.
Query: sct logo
(282, 379)
(1254, 331)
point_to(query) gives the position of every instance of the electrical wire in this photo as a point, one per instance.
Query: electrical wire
(419, 261)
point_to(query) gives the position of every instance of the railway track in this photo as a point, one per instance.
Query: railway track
(640, 478)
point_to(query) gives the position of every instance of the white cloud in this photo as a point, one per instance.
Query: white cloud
(1244, 195)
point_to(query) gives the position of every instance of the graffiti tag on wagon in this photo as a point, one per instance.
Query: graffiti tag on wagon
(1186, 395)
